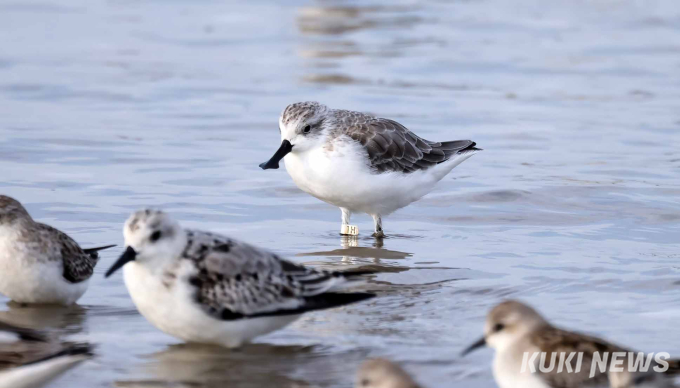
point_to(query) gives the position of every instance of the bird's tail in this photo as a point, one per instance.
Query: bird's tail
(351, 279)
(458, 146)
(456, 151)
(335, 299)
(97, 249)
(94, 252)
(354, 275)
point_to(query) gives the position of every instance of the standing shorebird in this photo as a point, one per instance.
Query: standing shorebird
(29, 360)
(38, 263)
(382, 373)
(207, 288)
(517, 333)
(361, 163)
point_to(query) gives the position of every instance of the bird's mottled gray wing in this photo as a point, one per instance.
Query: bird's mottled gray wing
(555, 340)
(391, 147)
(78, 263)
(235, 280)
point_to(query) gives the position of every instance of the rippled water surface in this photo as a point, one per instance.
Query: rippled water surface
(109, 106)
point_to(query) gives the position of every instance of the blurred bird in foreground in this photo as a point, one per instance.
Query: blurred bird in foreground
(517, 332)
(382, 373)
(38, 263)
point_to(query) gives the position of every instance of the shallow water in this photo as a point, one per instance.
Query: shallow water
(109, 106)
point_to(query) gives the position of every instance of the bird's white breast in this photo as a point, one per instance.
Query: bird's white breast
(167, 305)
(342, 177)
(507, 370)
(175, 311)
(326, 173)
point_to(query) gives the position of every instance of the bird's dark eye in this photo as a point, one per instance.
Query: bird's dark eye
(365, 382)
(498, 327)
(155, 236)
(307, 129)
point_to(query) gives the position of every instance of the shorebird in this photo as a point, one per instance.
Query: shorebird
(28, 359)
(203, 287)
(359, 162)
(523, 339)
(38, 263)
(382, 373)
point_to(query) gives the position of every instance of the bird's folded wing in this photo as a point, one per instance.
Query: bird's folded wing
(78, 264)
(235, 280)
(556, 341)
(391, 147)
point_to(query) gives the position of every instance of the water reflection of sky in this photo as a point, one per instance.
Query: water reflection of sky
(573, 206)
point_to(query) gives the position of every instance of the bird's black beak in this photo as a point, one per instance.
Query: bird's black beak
(481, 342)
(126, 257)
(285, 148)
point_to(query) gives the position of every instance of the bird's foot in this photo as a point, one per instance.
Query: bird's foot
(378, 234)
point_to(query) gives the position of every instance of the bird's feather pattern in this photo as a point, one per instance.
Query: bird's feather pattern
(78, 263)
(553, 340)
(235, 280)
(391, 147)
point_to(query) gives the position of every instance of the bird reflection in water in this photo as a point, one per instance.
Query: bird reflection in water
(254, 365)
